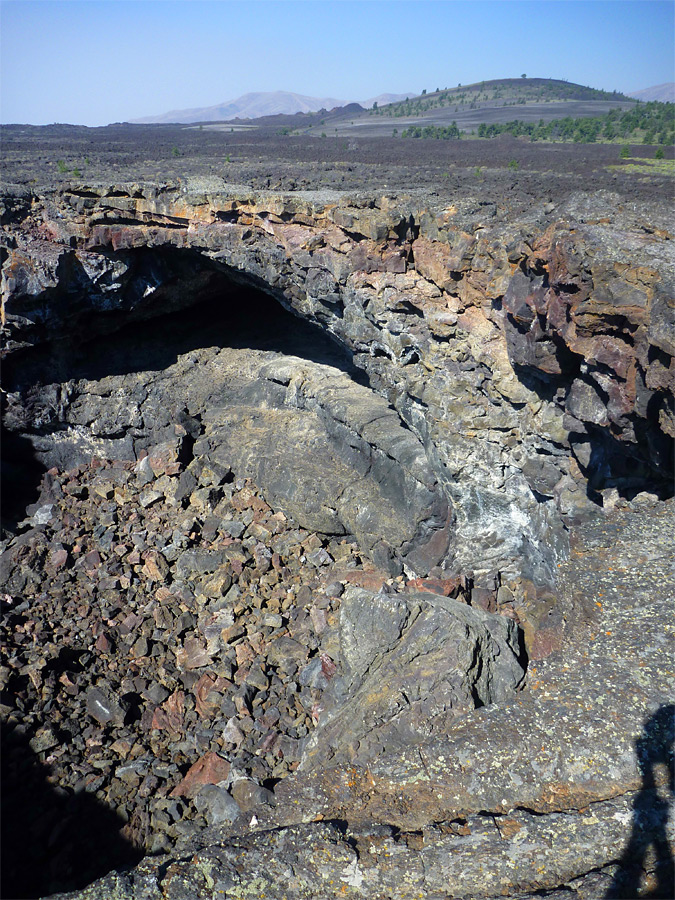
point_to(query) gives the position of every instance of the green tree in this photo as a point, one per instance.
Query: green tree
(625, 152)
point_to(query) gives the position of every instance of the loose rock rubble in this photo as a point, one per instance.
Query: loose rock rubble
(563, 791)
(167, 639)
(170, 643)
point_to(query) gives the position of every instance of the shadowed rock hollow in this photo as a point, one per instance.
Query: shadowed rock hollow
(455, 391)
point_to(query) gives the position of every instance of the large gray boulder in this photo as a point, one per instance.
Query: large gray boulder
(409, 666)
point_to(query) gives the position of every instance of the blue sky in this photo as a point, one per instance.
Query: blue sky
(93, 62)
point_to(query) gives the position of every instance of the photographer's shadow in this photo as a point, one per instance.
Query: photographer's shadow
(648, 848)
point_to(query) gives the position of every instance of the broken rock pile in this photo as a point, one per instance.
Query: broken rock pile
(168, 640)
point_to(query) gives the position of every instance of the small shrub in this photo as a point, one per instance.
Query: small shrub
(323, 134)
(61, 166)
(175, 151)
(625, 153)
(77, 173)
(659, 153)
(513, 164)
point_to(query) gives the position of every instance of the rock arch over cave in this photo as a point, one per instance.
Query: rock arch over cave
(263, 390)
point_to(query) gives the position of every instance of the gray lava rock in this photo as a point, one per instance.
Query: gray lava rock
(103, 707)
(216, 805)
(408, 665)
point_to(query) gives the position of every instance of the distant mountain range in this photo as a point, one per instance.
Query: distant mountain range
(273, 103)
(664, 93)
(256, 105)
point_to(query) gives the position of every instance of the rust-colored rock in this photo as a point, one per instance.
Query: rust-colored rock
(209, 769)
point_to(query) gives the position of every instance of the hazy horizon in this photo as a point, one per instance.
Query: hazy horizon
(93, 63)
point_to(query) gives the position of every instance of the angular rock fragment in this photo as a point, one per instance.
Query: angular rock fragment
(104, 707)
(216, 805)
(209, 769)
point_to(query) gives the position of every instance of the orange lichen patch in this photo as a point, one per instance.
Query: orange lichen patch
(508, 827)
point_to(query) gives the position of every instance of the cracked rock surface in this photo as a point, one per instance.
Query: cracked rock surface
(370, 597)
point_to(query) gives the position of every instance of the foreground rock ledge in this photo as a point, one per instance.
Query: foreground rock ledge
(542, 792)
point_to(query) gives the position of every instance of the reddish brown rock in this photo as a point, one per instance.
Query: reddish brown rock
(170, 716)
(209, 769)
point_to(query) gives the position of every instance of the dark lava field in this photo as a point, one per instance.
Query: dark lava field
(511, 170)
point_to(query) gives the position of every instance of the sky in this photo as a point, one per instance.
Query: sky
(93, 62)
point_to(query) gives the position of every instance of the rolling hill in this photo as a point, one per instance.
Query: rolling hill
(497, 101)
(662, 93)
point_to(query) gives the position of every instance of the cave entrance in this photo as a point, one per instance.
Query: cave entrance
(193, 303)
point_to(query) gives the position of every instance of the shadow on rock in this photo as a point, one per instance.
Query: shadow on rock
(214, 311)
(52, 840)
(223, 313)
(20, 476)
(648, 848)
